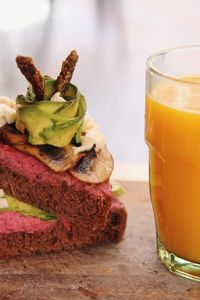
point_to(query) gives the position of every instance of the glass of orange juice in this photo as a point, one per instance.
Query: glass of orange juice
(172, 133)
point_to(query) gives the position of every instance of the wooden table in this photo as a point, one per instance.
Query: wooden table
(128, 270)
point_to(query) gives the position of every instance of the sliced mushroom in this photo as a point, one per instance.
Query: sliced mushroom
(12, 136)
(58, 159)
(94, 168)
(90, 167)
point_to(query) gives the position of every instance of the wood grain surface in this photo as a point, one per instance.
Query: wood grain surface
(128, 270)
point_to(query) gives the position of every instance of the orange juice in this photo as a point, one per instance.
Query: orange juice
(173, 136)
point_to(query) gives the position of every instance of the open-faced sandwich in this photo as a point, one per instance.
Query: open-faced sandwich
(55, 168)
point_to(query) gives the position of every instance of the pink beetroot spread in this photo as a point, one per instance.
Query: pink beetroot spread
(35, 170)
(16, 222)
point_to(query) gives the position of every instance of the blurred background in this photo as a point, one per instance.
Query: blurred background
(113, 39)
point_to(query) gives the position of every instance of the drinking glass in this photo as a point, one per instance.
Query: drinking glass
(172, 133)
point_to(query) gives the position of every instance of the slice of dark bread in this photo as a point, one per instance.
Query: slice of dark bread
(33, 236)
(86, 206)
(116, 223)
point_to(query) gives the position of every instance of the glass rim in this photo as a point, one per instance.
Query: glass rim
(156, 71)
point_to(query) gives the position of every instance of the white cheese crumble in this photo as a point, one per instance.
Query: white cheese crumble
(7, 111)
(92, 136)
(3, 200)
(57, 98)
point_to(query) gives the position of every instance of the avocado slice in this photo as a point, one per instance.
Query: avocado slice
(65, 109)
(117, 189)
(77, 138)
(34, 121)
(25, 209)
(53, 123)
(50, 87)
(46, 106)
(62, 135)
(49, 90)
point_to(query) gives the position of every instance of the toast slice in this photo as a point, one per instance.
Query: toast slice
(25, 235)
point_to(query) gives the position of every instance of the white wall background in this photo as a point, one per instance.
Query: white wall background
(113, 39)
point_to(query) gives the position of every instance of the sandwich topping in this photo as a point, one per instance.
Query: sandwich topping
(51, 123)
(7, 111)
(91, 136)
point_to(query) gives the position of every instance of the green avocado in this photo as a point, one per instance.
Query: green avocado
(50, 89)
(25, 209)
(53, 123)
(29, 118)
(117, 189)
(50, 85)
(46, 106)
(77, 139)
(62, 134)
